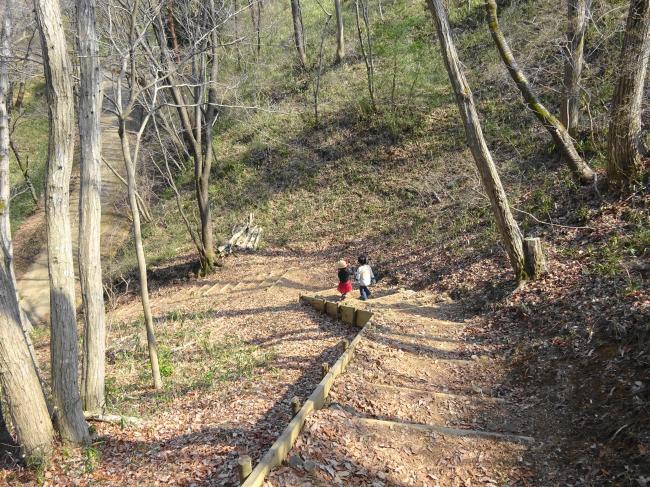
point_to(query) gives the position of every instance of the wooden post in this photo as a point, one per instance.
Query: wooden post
(326, 368)
(534, 258)
(295, 405)
(245, 467)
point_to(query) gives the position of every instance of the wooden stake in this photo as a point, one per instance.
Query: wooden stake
(326, 368)
(345, 344)
(534, 258)
(295, 405)
(245, 467)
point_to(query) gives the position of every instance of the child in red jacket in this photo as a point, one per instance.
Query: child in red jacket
(345, 282)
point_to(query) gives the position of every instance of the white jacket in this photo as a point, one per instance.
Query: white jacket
(364, 275)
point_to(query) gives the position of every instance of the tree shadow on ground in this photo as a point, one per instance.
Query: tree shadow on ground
(215, 449)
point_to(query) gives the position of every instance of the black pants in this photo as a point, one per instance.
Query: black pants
(365, 292)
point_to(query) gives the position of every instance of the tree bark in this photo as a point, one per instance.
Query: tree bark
(340, 40)
(90, 212)
(577, 20)
(18, 376)
(506, 224)
(367, 50)
(624, 143)
(298, 37)
(256, 18)
(139, 250)
(534, 257)
(198, 128)
(63, 342)
(554, 127)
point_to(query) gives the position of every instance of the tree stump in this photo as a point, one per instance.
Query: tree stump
(245, 467)
(295, 405)
(535, 263)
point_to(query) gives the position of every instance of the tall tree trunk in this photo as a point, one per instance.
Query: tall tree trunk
(63, 344)
(340, 41)
(577, 20)
(624, 142)
(256, 14)
(198, 131)
(139, 250)
(554, 127)
(296, 15)
(366, 50)
(506, 224)
(18, 376)
(90, 212)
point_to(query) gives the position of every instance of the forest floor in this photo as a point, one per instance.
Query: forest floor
(435, 395)
(234, 349)
(422, 402)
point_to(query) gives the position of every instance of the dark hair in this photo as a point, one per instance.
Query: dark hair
(362, 259)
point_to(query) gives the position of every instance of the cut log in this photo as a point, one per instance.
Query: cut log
(332, 309)
(257, 240)
(245, 467)
(114, 419)
(347, 314)
(534, 258)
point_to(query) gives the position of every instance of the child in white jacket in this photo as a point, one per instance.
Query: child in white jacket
(364, 277)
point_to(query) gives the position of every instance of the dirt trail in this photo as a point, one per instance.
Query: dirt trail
(33, 284)
(420, 404)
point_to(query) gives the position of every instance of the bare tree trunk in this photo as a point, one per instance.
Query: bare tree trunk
(319, 71)
(366, 50)
(171, 25)
(554, 127)
(577, 20)
(506, 224)
(63, 344)
(139, 250)
(340, 41)
(296, 15)
(237, 40)
(90, 212)
(256, 14)
(18, 375)
(20, 384)
(198, 129)
(624, 142)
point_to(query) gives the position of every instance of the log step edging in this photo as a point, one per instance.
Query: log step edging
(348, 314)
(283, 445)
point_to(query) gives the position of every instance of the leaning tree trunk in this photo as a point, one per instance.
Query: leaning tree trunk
(624, 143)
(577, 20)
(18, 375)
(554, 127)
(340, 41)
(298, 33)
(139, 250)
(63, 342)
(508, 228)
(90, 212)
